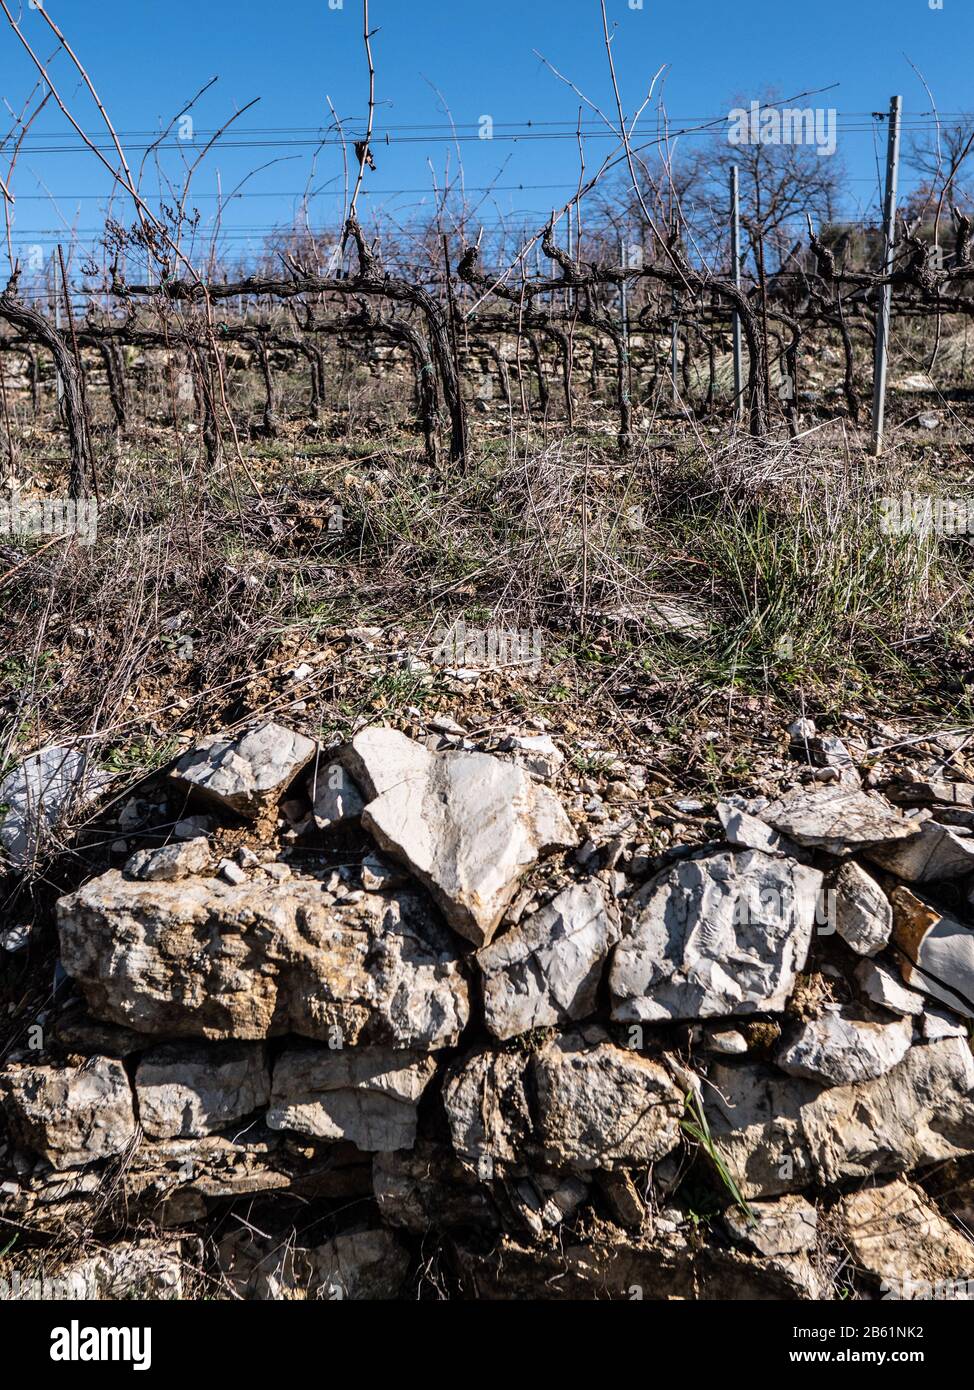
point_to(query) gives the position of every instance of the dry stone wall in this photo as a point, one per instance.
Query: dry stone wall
(434, 1009)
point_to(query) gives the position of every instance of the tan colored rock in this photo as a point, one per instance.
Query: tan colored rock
(70, 1115)
(894, 1233)
(786, 1226)
(780, 1134)
(171, 1182)
(170, 862)
(726, 1041)
(147, 1270)
(602, 1106)
(623, 1198)
(356, 1265)
(366, 1095)
(185, 1090)
(363, 1266)
(205, 959)
(594, 1106)
(623, 1270)
(487, 1108)
(428, 1188)
(378, 874)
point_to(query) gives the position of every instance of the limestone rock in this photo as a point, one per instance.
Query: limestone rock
(174, 1181)
(171, 862)
(838, 1048)
(779, 1134)
(863, 916)
(937, 951)
(728, 1042)
(678, 617)
(487, 1108)
(786, 1226)
(184, 1090)
(356, 1265)
(360, 1266)
(621, 1270)
(427, 1187)
(446, 724)
(201, 958)
(623, 1198)
(334, 796)
(149, 1270)
(828, 751)
(367, 1095)
(933, 792)
(936, 1024)
(74, 1030)
(719, 934)
(935, 852)
(46, 787)
(547, 1200)
(70, 1115)
(895, 1234)
(602, 1106)
(193, 827)
(380, 759)
(596, 1106)
(15, 938)
(378, 873)
(745, 831)
(244, 772)
(467, 825)
(537, 753)
(257, 1269)
(838, 819)
(547, 969)
(880, 985)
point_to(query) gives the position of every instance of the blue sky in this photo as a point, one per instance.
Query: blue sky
(478, 57)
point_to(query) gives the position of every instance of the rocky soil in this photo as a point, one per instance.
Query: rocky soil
(433, 1012)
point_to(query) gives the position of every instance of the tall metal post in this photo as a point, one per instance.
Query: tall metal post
(736, 275)
(886, 292)
(624, 293)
